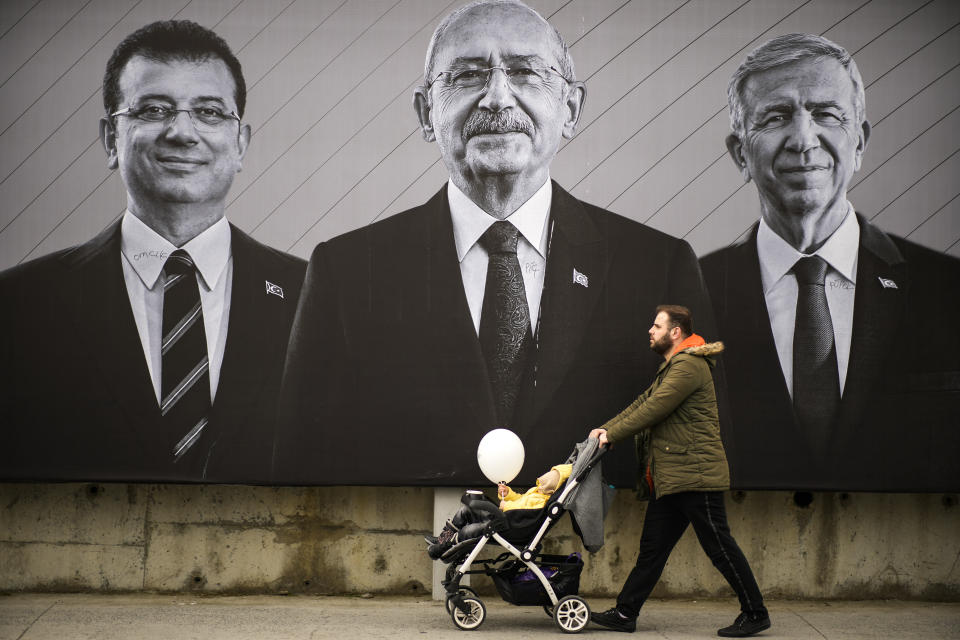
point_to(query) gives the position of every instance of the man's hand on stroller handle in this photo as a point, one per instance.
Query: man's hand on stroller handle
(601, 435)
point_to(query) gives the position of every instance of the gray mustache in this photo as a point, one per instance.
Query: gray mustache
(507, 121)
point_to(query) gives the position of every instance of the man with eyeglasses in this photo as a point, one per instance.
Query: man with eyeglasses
(154, 351)
(502, 302)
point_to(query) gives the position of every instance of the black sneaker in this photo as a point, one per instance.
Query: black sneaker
(447, 539)
(436, 550)
(745, 625)
(611, 619)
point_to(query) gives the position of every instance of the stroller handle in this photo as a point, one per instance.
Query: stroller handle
(602, 450)
(592, 462)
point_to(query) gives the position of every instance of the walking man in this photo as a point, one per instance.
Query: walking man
(683, 472)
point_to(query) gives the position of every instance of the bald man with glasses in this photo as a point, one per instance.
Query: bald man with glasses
(153, 351)
(502, 302)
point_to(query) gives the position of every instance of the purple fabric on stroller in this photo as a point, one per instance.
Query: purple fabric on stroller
(548, 570)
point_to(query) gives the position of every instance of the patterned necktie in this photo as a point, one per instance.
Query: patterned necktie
(185, 375)
(816, 386)
(505, 335)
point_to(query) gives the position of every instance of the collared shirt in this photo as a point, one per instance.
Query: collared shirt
(144, 253)
(470, 222)
(777, 258)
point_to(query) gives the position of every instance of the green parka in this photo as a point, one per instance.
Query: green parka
(676, 428)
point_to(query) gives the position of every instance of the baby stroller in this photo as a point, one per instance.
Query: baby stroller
(522, 575)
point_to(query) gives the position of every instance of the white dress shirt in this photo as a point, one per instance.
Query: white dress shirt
(777, 258)
(144, 253)
(470, 222)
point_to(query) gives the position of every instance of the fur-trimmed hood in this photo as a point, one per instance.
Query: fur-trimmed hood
(707, 349)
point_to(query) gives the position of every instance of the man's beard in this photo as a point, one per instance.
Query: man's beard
(663, 345)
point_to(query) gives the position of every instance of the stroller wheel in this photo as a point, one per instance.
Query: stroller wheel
(473, 619)
(464, 591)
(548, 609)
(571, 614)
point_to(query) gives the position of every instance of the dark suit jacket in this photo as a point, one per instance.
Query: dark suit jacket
(899, 422)
(385, 383)
(77, 402)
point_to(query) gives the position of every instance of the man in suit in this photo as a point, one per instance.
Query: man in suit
(501, 302)
(153, 351)
(842, 370)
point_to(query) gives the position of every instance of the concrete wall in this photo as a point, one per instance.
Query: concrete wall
(237, 539)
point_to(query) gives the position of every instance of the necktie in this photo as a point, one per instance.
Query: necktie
(816, 386)
(185, 376)
(505, 335)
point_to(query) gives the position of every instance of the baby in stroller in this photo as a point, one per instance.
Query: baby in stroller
(469, 523)
(522, 573)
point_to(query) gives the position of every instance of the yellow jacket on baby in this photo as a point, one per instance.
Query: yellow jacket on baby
(536, 497)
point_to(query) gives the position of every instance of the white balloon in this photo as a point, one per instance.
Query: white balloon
(500, 455)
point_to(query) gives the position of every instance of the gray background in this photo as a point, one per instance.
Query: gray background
(336, 144)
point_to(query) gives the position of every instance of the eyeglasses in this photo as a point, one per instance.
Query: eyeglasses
(520, 78)
(205, 119)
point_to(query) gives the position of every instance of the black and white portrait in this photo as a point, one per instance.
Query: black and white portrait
(335, 243)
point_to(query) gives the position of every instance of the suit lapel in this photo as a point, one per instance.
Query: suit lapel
(878, 311)
(748, 304)
(465, 371)
(753, 369)
(575, 245)
(254, 335)
(106, 321)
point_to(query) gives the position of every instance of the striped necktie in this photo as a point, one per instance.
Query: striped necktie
(185, 376)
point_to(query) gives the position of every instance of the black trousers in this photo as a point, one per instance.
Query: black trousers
(666, 520)
(468, 524)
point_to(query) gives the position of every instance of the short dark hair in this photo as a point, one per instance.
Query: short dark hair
(679, 317)
(167, 40)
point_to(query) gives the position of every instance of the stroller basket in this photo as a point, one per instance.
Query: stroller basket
(518, 585)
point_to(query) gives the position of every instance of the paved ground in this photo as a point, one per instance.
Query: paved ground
(155, 617)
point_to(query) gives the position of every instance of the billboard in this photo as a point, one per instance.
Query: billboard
(390, 381)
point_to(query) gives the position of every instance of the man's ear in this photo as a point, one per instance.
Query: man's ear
(243, 143)
(576, 96)
(735, 149)
(862, 144)
(108, 136)
(421, 104)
